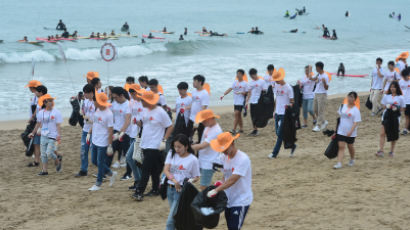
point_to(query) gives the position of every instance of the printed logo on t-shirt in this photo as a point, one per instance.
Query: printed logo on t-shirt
(233, 169)
(139, 110)
(151, 118)
(181, 167)
(120, 111)
(349, 114)
(99, 119)
(197, 98)
(52, 117)
(395, 103)
(135, 121)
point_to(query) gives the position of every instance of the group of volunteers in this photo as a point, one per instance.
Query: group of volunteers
(135, 122)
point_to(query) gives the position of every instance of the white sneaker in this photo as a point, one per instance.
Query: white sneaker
(122, 160)
(351, 163)
(116, 165)
(94, 188)
(112, 179)
(338, 165)
(404, 132)
(324, 125)
(316, 129)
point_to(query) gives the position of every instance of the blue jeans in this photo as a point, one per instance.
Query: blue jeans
(99, 158)
(173, 200)
(136, 171)
(84, 152)
(278, 128)
(307, 106)
(47, 149)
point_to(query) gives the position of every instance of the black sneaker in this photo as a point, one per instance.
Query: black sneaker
(254, 133)
(138, 196)
(133, 187)
(33, 164)
(81, 174)
(293, 150)
(152, 193)
(125, 177)
(59, 165)
(43, 173)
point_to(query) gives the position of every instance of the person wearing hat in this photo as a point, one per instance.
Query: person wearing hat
(87, 110)
(48, 121)
(157, 129)
(206, 155)
(320, 100)
(33, 109)
(102, 135)
(255, 88)
(390, 75)
(376, 91)
(136, 116)
(200, 101)
(91, 75)
(240, 89)
(284, 98)
(401, 61)
(237, 179)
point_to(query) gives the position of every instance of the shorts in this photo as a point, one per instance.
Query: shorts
(348, 140)
(36, 140)
(238, 108)
(206, 177)
(407, 111)
(235, 217)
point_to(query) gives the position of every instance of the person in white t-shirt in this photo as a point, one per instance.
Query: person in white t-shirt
(237, 180)
(240, 89)
(183, 105)
(153, 86)
(390, 75)
(405, 88)
(143, 81)
(284, 97)
(393, 102)
(402, 61)
(180, 164)
(102, 137)
(347, 129)
(268, 77)
(88, 110)
(48, 121)
(137, 111)
(200, 101)
(307, 85)
(32, 121)
(320, 100)
(96, 83)
(255, 88)
(120, 108)
(376, 91)
(157, 129)
(206, 155)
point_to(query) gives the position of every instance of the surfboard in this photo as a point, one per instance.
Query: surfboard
(351, 75)
(146, 36)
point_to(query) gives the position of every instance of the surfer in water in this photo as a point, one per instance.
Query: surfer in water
(181, 38)
(24, 39)
(75, 34)
(341, 70)
(98, 35)
(150, 36)
(326, 33)
(92, 35)
(287, 14)
(204, 30)
(347, 14)
(399, 17)
(334, 35)
(293, 31)
(112, 33)
(164, 30)
(185, 31)
(61, 25)
(142, 41)
(65, 34)
(125, 27)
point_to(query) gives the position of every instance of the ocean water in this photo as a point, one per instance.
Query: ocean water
(367, 34)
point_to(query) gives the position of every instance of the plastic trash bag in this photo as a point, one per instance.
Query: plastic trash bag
(184, 217)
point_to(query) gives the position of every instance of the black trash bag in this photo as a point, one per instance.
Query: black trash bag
(391, 124)
(298, 98)
(184, 217)
(26, 140)
(289, 129)
(75, 115)
(265, 108)
(163, 188)
(214, 205)
(180, 126)
(369, 103)
(332, 149)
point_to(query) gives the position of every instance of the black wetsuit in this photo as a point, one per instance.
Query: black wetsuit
(341, 70)
(334, 36)
(65, 34)
(60, 26)
(326, 33)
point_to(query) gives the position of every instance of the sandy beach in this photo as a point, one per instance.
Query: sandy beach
(303, 192)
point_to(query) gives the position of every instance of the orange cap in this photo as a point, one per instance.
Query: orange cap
(403, 55)
(135, 87)
(205, 115)
(149, 97)
(102, 99)
(223, 141)
(44, 97)
(91, 75)
(33, 83)
(207, 87)
(278, 75)
(160, 89)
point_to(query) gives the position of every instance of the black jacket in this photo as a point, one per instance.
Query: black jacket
(289, 128)
(391, 124)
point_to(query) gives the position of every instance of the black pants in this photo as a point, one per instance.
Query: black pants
(200, 130)
(151, 166)
(253, 113)
(119, 146)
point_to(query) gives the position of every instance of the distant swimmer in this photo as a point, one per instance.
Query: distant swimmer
(334, 35)
(181, 38)
(112, 33)
(164, 30)
(392, 15)
(92, 35)
(57, 36)
(293, 31)
(399, 17)
(125, 27)
(341, 70)
(142, 41)
(347, 14)
(61, 25)
(326, 33)
(304, 9)
(185, 31)
(75, 34)
(150, 35)
(65, 34)
(24, 39)
(215, 34)
(104, 34)
(204, 30)
(98, 35)
(255, 30)
(287, 14)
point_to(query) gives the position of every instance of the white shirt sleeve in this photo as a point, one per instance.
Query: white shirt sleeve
(291, 95)
(357, 116)
(205, 99)
(59, 118)
(242, 168)
(110, 120)
(168, 159)
(165, 120)
(195, 168)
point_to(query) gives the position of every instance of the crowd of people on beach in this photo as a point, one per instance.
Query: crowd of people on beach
(135, 123)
